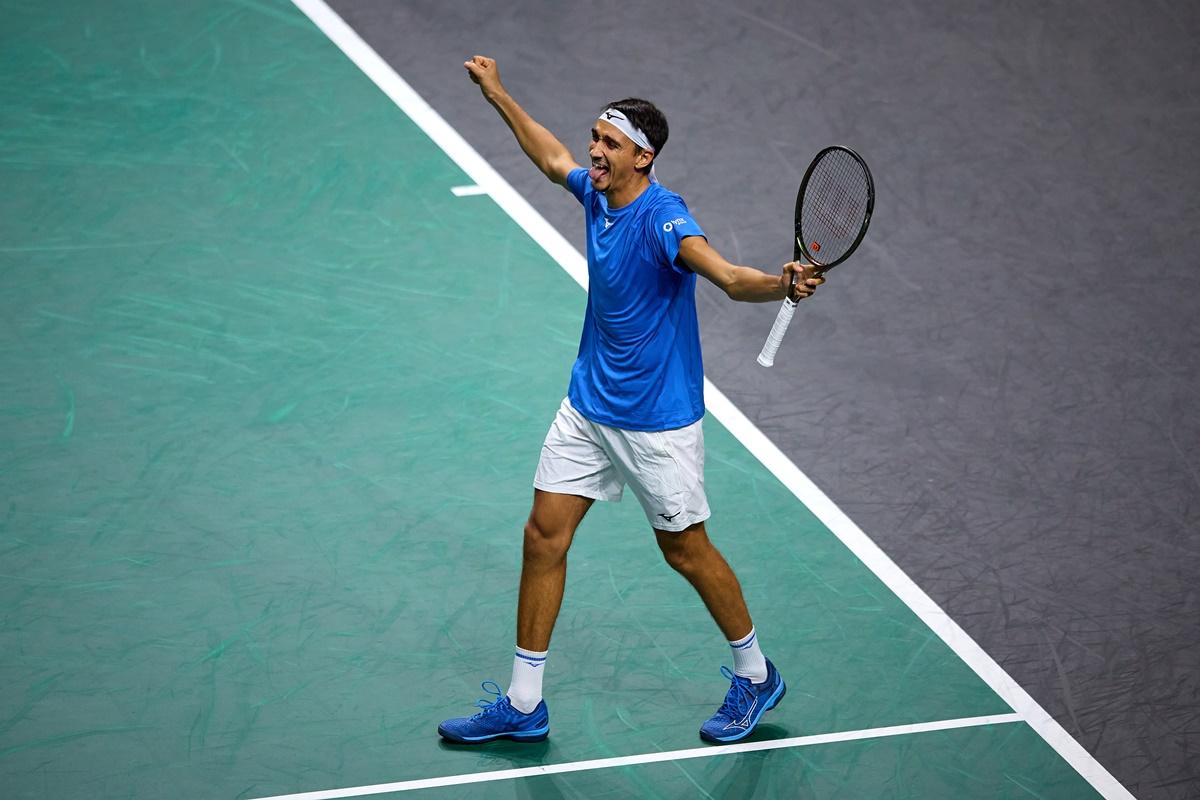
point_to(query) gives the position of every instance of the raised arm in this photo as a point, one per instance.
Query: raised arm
(546, 152)
(747, 283)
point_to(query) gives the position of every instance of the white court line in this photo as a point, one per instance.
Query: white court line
(467, 191)
(721, 407)
(651, 758)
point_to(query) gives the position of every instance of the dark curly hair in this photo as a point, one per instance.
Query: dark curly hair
(645, 115)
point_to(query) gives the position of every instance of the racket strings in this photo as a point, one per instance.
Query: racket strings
(834, 206)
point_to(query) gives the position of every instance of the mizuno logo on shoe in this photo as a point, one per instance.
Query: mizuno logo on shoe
(745, 721)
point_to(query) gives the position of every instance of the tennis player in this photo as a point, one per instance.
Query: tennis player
(633, 410)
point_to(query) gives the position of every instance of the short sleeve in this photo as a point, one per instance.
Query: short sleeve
(673, 224)
(577, 182)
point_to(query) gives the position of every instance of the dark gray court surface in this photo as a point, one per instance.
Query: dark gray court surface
(1002, 389)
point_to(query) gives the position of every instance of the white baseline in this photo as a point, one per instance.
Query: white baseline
(649, 758)
(553, 242)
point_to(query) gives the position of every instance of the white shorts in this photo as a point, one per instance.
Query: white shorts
(665, 469)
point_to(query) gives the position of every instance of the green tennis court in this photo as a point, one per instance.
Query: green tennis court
(271, 399)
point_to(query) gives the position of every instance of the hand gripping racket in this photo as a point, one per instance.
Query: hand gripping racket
(833, 209)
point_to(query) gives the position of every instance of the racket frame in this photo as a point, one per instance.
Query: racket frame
(801, 249)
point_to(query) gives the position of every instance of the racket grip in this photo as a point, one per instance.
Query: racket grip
(775, 337)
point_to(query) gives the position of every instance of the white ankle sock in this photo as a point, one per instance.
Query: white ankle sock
(748, 660)
(525, 691)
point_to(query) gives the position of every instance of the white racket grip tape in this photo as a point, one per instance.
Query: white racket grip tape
(775, 337)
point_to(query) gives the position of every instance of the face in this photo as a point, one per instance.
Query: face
(615, 159)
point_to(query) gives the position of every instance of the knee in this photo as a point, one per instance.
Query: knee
(544, 543)
(687, 551)
(680, 558)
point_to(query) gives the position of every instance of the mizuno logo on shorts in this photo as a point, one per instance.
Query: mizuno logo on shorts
(672, 517)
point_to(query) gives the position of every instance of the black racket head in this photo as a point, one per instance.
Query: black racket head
(833, 207)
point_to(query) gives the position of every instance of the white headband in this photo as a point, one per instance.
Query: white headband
(622, 123)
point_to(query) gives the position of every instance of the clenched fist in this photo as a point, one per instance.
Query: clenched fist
(483, 71)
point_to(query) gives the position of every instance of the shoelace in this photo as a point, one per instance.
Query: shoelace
(738, 698)
(489, 705)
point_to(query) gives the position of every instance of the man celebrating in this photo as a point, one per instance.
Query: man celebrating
(633, 410)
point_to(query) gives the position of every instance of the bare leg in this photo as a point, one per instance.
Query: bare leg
(692, 555)
(548, 535)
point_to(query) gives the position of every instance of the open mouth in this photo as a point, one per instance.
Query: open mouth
(599, 171)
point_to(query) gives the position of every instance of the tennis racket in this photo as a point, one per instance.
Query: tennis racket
(833, 209)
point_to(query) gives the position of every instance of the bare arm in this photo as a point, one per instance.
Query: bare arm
(546, 152)
(747, 283)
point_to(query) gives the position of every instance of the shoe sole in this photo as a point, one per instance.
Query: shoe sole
(773, 701)
(535, 735)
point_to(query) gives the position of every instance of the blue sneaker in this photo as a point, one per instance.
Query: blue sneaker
(744, 705)
(498, 720)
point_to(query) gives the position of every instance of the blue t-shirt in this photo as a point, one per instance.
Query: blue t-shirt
(639, 366)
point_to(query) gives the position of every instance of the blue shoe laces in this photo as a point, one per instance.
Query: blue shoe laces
(487, 705)
(739, 697)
